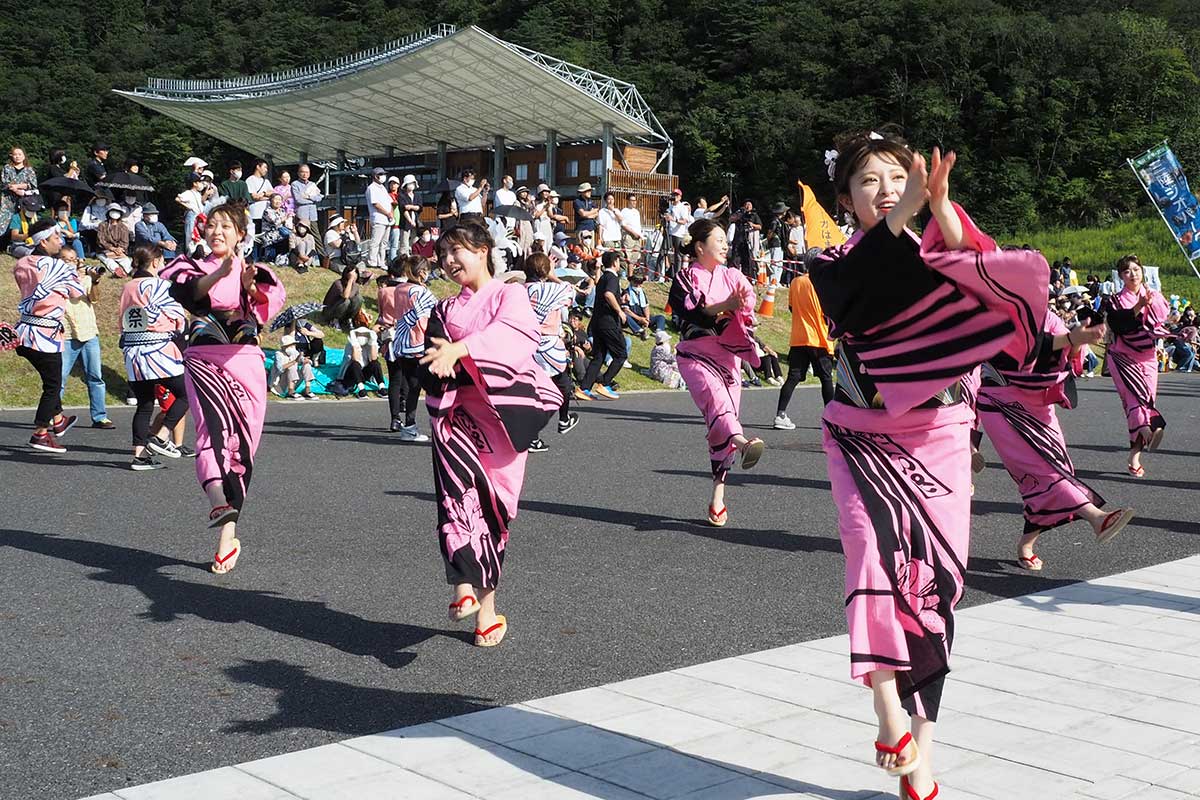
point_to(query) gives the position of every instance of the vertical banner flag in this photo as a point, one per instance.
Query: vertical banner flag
(1162, 177)
(819, 228)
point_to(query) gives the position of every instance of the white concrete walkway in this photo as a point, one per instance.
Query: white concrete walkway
(1087, 691)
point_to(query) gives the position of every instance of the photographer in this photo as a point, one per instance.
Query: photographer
(470, 197)
(81, 340)
(344, 300)
(746, 225)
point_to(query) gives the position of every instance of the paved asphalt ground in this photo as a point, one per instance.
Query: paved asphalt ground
(125, 661)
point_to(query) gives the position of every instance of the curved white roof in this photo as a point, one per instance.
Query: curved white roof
(461, 87)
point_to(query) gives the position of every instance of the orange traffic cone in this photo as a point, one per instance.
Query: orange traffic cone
(767, 308)
(667, 307)
(762, 273)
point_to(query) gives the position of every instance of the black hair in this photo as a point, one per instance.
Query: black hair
(471, 235)
(235, 164)
(698, 232)
(259, 162)
(143, 257)
(610, 259)
(855, 148)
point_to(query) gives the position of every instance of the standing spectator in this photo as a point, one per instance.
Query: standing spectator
(631, 235)
(379, 203)
(303, 247)
(523, 229)
(68, 228)
(112, 242)
(234, 188)
(679, 217)
(410, 213)
(45, 283)
(505, 196)
(809, 347)
(556, 214)
(543, 220)
(777, 236)
(56, 167)
(305, 196)
(796, 246)
(393, 242)
(637, 310)
(746, 224)
(343, 301)
(284, 190)
(81, 341)
(192, 202)
(586, 212)
(17, 180)
(609, 222)
(259, 187)
(447, 211)
(605, 329)
(703, 211)
(152, 232)
(96, 169)
(470, 197)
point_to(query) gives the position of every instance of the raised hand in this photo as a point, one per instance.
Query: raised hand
(916, 192)
(939, 176)
(1088, 335)
(443, 356)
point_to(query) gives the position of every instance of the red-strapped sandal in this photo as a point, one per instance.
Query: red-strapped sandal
(1138, 472)
(464, 607)
(902, 767)
(1032, 563)
(718, 518)
(1113, 524)
(222, 564)
(501, 625)
(909, 793)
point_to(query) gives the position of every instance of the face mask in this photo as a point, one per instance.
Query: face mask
(425, 237)
(152, 218)
(114, 216)
(237, 174)
(130, 199)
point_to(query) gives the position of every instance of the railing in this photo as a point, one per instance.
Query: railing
(654, 183)
(300, 75)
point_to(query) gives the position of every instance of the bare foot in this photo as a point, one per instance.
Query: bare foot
(490, 633)
(892, 728)
(464, 604)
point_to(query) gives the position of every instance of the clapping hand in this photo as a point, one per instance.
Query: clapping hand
(442, 357)
(249, 272)
(916, 193)
(938, 190)
(1088, 335)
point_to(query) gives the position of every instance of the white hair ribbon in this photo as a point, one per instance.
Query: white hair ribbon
(831, 157)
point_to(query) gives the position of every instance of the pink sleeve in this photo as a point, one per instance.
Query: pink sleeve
(1015, 283)
(274, 294)
(509, 339)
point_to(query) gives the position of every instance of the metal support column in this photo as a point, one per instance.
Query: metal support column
(389, 152)
(441, 161)
(341, 165)
(551, 157)
(497, 161)
(607, 155)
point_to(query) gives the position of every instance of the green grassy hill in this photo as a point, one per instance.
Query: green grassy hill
(19, 385)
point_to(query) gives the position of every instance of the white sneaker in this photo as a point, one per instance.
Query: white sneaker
(410, 433)
(782, 423)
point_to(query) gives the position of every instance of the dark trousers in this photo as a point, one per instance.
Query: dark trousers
(315, 348)
(404, 388)
(49, 367)
(567, 386)
(144, 392)
(799, 361)
(770, 367)
(357, 373)
(607, 340)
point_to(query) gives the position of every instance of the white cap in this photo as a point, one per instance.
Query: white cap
(337, 220)
(540, 236)
(287, 340)
(409, 179)
(196, 163)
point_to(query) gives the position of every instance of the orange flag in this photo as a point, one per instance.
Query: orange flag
(819, 228)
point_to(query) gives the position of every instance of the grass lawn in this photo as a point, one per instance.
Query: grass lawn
(19, 384)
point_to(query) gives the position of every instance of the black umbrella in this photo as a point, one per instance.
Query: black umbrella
(69, 184)
(126, 182)
(293, 313)
(512, 212)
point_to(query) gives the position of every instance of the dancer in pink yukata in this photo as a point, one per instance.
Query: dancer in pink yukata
(1017, 411)
(230, 300)
(488, 401)
(914, 316)
(714, 307)
(1135, 315)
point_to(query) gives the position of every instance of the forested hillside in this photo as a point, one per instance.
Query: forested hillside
(1043, 101)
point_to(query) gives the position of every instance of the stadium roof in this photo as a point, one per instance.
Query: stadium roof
(461, 87)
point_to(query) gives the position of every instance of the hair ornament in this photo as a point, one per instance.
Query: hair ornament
(831, 157)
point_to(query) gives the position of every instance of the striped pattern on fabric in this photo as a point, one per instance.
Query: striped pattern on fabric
(42, 309)
(550, 302)
(412, 309)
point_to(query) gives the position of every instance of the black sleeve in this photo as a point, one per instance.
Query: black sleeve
(1122, 320)
(877, 279)
(677, 297)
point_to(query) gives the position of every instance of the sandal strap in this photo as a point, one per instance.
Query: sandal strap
(494, 627)
(229, 555)
(462, 601)
(898, 748)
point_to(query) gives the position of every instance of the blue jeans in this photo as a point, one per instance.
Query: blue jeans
(189, 222)
(89, 351)
(657, 322)
(1090, 362)
(77, 243)
(393, 247)
(1185, 357)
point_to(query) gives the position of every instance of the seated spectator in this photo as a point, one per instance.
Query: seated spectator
(360, 364)
(112, 241)
(89, 223)
(134, 211)
(68, 228)
(662, 362)
(579, 347)
(310, 340)
(152, 232)
(560, 255)
(585, 291)
(1184, 353)
(424, 245)
(276, 230)
(638, 318)
(302, 247)
(28, 210)
(585, 251)
(343, 301)
(342, 244)
(769, 363)
(291, 371)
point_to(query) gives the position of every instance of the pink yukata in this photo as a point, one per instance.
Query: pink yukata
(224, 368)
(709, 350)
(483, 421)
(1017, 411)
(914, 319)
(1131, 357)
